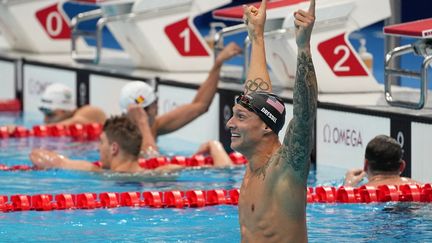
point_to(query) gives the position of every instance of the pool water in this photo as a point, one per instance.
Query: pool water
(390, 222)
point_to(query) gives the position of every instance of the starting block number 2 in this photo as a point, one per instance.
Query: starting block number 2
(53, 22)
(185, 39)
(341, 59)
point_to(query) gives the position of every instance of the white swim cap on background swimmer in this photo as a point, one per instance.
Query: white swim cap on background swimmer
(136, 92)
(58, 96)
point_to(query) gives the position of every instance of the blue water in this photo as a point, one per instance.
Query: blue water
(406, 222)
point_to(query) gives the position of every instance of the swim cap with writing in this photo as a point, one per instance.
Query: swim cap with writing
(269, 107)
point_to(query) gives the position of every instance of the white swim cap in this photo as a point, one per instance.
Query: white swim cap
(58, 96)
(136, 92)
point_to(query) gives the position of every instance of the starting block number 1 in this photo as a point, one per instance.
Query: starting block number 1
(341, 59)
(53, 22)
(185, 39)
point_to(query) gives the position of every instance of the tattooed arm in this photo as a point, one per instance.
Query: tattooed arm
(298, 141)
(258, 78)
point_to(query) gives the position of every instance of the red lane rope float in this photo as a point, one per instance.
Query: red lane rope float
(152, 199)
(10, 105)
(203, 198)
(77, 131)
(370, 194)
(153, 163)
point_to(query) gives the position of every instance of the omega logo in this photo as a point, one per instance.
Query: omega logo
(400, 138)
(37, 87)
(82, 93)
(226, 115)
(348, 137)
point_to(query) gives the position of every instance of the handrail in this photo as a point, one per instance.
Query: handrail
(75, 33)
(422, 75)
(218, 39)
(147, 14)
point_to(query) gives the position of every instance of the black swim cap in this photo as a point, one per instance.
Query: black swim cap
(269, 107)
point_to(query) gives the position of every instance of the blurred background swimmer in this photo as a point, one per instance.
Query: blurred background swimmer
(383, 164)
(139, 100)
(59, 107)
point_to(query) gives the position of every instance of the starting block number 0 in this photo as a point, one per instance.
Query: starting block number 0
(53, 22)
(184, 39)
(340, 58)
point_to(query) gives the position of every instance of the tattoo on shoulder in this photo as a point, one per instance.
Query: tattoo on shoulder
(257, 84)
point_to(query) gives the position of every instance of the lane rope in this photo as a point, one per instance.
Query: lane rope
(90, 131)
(203, 198)
(198, 160)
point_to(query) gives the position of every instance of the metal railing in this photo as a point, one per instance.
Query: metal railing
(104, 21)
(76, 33)
(418, 48)
(235, 29)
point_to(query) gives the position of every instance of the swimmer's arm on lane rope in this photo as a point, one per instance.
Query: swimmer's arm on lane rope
(258, 78)
(45, 159)
(182, 115)
(298, 140)
(84, 115)
(217, 152)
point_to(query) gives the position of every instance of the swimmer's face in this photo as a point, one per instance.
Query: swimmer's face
(104, 151)
(247, 129)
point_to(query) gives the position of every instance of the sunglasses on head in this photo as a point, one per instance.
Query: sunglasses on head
(246, 101)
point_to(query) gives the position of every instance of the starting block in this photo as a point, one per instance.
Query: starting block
(161, 35)
(422, 31)
(36, 26)
(340, 67)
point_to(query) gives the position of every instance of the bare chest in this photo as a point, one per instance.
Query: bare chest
(255, 200)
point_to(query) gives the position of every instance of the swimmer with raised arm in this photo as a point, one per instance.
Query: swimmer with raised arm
(140, 102)
(272, 203)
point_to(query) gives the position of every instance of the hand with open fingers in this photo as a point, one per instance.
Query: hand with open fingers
(254, 19)
(304, 22)
(353, 177)
(136, 113)
(228, 52)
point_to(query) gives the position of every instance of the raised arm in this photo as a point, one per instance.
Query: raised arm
(298, 140)
(258, 78)
(45, 159)
(184, 114)
(148, 144)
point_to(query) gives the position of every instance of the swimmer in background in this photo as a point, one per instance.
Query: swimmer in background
(272, 202)
(58, 106)
(383, 165)
(119, 148)
(139, 100)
